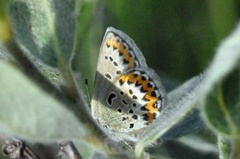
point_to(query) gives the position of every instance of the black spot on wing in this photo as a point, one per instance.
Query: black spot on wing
(134, 97)
(115, 63)
(111, 98)
(130, 111)
(131, 125)
(119, 110)
(118, 72)
(111, 59)
(124, 101)
(121, 82)
(108, 76)
(135, 117)
(130, 91)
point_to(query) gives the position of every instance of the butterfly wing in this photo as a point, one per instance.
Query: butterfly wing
(118, 53)
(127, 94)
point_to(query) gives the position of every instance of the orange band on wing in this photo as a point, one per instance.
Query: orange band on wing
(149, 97)
(122, 50)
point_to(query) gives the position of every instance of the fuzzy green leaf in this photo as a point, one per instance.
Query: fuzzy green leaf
(45, 29)
(192, 120)
(222, 105)
(221, 96)
(29, 112)
(226, 59)
(4, 54)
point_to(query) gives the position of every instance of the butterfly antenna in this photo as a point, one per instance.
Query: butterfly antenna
(87, 89)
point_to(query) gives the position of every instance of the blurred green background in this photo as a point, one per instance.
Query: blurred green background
(177, 38)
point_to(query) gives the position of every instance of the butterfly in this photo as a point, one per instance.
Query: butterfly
(128, 95)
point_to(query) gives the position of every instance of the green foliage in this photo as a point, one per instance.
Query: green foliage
(224, 146)
(45, 29)
(24, 106)
(52, 107)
